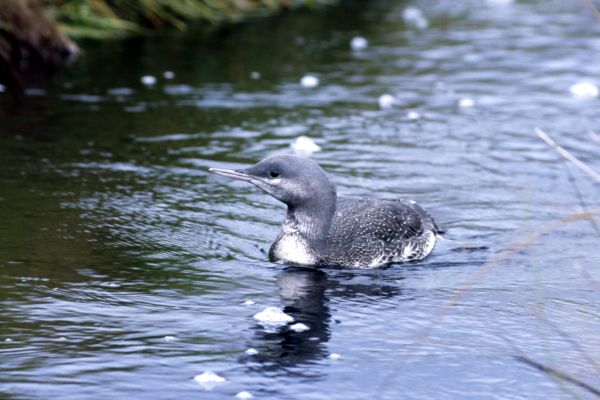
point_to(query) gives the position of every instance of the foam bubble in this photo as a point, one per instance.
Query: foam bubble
(169, 75)
(500, 2)
(414, 16)
(299, 327)
(208, 380)
(466, 102)
(273, 316)
(386, 101)
(359, 43)
(584, 89)
(244, 395)
(148, 80)
(304, 144)
(413, 115)
(309, 81)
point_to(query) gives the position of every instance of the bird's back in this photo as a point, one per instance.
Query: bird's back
(367, 233)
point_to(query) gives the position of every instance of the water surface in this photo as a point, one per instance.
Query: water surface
(125, 266)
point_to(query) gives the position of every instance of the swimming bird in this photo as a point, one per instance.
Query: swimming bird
(322, 229)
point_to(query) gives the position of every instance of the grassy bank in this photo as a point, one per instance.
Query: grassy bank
(114, 18)
(37, 36)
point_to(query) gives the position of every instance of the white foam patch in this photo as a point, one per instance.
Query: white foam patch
(148, 80)
(208, 380)
(309, 81)
(169, 75)
(500, 2)
(386, 101)
(170, 339)
(299, 327)
(304, 144)
(359, 43)
(466, 102)
(334, 356)
(251, 351)
(414, 17)
(584, 89)
(249, 302)
(413, 115)
(244, 395)
(255, 75)
(273, 316)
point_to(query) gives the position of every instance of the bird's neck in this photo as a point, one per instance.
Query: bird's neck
(312, 221)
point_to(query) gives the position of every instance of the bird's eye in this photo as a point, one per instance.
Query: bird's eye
(274, 174)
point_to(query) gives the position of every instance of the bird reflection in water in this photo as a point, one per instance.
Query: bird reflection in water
(304, 294)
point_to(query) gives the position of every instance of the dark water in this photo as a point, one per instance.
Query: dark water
(124, 265)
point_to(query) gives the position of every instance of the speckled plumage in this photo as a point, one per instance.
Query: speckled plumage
(376, 232)
(325, 230)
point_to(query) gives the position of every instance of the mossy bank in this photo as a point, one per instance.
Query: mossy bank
(37, 37)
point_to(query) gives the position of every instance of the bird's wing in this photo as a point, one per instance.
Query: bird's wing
(385, 220)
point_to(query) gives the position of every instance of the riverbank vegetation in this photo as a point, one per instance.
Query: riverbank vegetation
(114, 18)
(37, 36)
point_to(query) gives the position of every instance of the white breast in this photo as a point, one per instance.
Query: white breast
(429, 243)
(292, 248)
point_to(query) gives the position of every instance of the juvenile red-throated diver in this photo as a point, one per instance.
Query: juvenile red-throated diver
(323, 229)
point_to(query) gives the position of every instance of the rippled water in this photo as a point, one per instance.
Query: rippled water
(125, 266)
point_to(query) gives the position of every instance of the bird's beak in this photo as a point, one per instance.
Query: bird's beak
(239, 175)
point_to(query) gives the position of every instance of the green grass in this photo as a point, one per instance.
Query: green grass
(116, 18)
